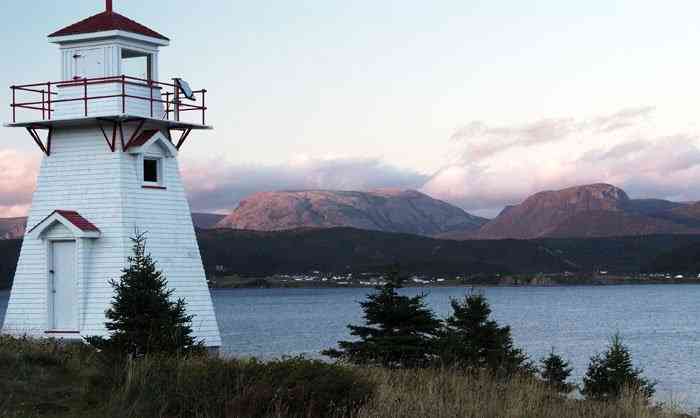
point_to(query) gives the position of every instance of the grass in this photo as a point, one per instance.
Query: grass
(48, 379)
(448, 394)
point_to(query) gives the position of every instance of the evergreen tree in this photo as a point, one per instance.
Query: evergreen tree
(555, 371)
(143, 319)
(399, 331)
(471, 340)
(611, 373)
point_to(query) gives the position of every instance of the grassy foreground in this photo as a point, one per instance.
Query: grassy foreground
(47, 379)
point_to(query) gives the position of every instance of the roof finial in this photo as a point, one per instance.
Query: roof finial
(110, 9)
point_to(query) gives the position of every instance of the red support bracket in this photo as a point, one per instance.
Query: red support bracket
(113, 143)
(134, 135)
(46, 149)
(183, 137)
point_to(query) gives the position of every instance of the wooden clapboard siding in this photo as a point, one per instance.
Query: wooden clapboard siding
(108, 106)
(105, 187)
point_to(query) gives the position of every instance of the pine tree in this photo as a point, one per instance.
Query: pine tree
(399, 330)
(611, 373)
(143, 319)
(471, 340)
(555, 371)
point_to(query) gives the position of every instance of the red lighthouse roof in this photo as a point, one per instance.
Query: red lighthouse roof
(108, 20)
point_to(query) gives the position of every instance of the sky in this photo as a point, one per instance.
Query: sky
(479, 103)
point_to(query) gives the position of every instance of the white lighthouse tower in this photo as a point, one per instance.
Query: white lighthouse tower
(111, 132)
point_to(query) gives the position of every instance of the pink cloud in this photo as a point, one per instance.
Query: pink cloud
(18, 173)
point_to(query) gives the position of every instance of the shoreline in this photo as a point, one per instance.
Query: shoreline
(276, 283)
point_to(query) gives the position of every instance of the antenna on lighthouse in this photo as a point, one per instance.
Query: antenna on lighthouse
(109, 6)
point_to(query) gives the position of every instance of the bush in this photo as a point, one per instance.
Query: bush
(399, 331)
(471, 340)
(611, 373)
(555, 371)
(143, 319)
(200, 387)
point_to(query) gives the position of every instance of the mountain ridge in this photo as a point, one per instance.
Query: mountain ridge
(387, 210)
(595, 210)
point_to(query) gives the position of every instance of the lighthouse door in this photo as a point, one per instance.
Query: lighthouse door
(62, 286)
(88, 63)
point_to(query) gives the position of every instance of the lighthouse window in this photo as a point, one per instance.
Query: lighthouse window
(151, 170)
(137, 64)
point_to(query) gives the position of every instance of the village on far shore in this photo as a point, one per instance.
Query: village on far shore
(319, 279)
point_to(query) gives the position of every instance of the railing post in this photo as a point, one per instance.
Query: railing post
(85, 97)
(150, 89)
(43, 105)
(49, 89)
(176, 102)
(204, 107)
(167, 105)
(123, 94)
(14, 102)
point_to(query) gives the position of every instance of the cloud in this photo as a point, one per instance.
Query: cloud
(623, 149)
(492, 166)
(17, 182)
(218, 186)
(477, 141)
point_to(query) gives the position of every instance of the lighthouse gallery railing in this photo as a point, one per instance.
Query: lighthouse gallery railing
(171, 99)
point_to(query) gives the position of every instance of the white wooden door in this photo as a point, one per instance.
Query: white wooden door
(63, 286)
(88, 63)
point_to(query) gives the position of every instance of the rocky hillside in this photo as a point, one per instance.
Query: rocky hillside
(404, 211)
(597, 210)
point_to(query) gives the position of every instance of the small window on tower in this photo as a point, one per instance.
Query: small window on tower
(151, 170)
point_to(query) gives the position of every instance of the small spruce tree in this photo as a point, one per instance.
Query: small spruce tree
(612, 372)
(143, 319)
(555, 371)
(399, 330)
(471, 340)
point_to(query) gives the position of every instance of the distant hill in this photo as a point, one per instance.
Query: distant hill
(354, 250)
(597, 210)
(402, 211)
(341, 250)
(206, 220)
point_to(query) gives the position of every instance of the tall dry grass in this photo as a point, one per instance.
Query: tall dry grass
(452, 394)
(47, 379)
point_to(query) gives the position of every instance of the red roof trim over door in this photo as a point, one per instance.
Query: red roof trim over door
(77, 220)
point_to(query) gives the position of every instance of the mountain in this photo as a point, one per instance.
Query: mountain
(206, 220)
(597, 210)
(11, 228)
(402, 211)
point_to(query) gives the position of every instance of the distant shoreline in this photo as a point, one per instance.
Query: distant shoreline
(557, 281)
(273, 283)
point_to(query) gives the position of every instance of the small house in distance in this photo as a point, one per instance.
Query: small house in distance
(111, 132)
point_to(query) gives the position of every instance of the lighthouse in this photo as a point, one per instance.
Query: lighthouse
(110, 132)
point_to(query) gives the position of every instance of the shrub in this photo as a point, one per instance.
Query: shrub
(399, 331)
(471, 340)
(611, 373)
(201, 387)
(143, 319)
(555, 371)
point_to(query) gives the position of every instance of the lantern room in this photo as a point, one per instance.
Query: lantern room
(108, 71)
(107, 45)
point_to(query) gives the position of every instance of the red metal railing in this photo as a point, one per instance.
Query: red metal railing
(170, 98)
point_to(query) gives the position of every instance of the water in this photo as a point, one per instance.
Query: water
(659, 323)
